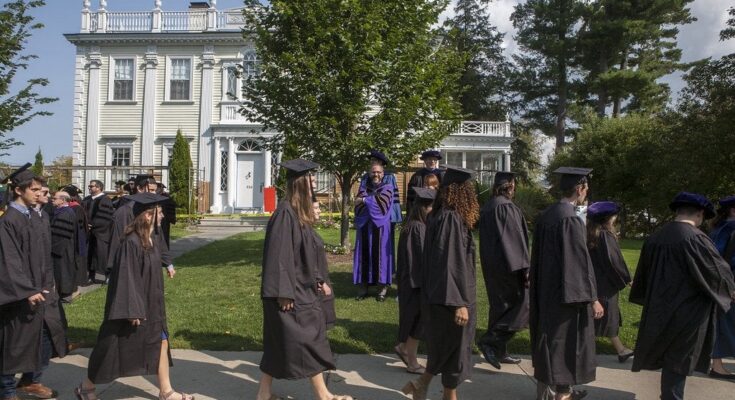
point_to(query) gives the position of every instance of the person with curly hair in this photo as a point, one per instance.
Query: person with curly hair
(449, 287)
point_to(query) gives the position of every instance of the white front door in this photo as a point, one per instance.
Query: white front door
(249, 181)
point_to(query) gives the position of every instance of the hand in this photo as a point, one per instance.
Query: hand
(285, 304)
(134, 321)
(170, 271)
(325, 289)
(359, 200)
(36, 299)
(461, 316)
(597, 310)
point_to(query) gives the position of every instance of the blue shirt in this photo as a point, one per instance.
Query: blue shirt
(23, 209)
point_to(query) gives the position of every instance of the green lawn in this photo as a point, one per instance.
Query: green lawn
(179, 230)
(214, 304)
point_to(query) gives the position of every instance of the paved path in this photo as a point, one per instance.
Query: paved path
(234, 376)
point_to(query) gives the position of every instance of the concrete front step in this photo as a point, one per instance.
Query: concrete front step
(248, 223)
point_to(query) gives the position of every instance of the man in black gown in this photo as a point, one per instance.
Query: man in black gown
(431, 166)
(682, 282)
(563, 294)
(64, 237)
(99, 216)
(505, 261)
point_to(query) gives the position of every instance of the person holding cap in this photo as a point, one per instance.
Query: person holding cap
(409, 271)
(681, 282)
(295, 344)
(448, 286)
(723, 235)
(563, 294)
(505, 261)
(611, 272)
(133, 339)
(25, 280)
(431, 167)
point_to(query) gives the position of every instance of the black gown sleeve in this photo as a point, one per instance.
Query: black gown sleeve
(127, 297)
(710, 271)
(616, 271)
(578, 276)
(278, 257)
(513, 237)
(16, 283)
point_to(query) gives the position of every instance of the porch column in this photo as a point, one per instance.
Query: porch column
(267, 168)
(231, 173)
(94, 62)
(214, 188)
(205, 110)
(149, 107)
(506, 161)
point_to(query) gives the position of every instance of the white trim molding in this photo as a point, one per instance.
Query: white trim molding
(113, 58)
(167, 94)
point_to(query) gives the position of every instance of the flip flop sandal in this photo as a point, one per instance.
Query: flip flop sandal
(83, 394)
(184, 396)
(400, 355)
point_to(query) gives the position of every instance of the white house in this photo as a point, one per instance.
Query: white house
(142, 75)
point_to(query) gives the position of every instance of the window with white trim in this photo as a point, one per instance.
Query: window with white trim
(121, 78)
(120, 157)
(179, 79)
(250, 65)
(224, 157)
(232, 88)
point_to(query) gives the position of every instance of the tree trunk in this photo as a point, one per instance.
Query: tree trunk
(618, 100)
(602, 89)
(345, 184)
(561, 107)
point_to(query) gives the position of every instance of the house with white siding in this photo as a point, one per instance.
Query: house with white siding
(140, 76)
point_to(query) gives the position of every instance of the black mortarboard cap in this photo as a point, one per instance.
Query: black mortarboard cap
(696, 200)
(298, 167)
(144, 179)
(503, 177)
(456, 175)
(424, 193)
(431, 153)
(73, 190)
(19, 175)
(132, 178)
(120, 183)
(145, 201)
(378, 155)
(572, 176)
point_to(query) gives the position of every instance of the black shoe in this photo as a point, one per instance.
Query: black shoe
(718, 375)
(510, 360)
(625, 356)
(380, 298)
(489, 355)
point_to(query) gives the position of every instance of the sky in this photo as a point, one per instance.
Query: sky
(53, 134)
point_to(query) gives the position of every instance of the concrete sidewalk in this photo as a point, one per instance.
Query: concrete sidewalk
(235, 375)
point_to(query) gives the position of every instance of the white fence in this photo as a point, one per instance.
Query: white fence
(161, 21)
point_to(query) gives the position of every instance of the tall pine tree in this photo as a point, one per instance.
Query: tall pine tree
(485, 71)
(37, 167)
(180, 179)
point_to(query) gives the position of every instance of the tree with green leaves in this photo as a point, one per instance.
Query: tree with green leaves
(547, 65)
(179, 174)
(486, 70)
(624, 48)
(341, 77)
(19, 107)
(37, 167)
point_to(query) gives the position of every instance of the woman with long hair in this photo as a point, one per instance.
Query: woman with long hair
(449, 285)
(295, 344)
(722, 234)
(611, 272)
(133, 339)
(410, 254)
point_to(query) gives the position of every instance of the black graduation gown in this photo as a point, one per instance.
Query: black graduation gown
(82, 273)
(505, 260)
(121, 218)
(52, 313)
(63, 252)
(562, 290)
(612, 275)
(681, 281)
(99, 214)
(295, 343)
(409, 264)
(135, 291)
(449, 283)
(20, 278)
(417, 180)
(330, 314)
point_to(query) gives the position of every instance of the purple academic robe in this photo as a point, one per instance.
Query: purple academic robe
(373, 262)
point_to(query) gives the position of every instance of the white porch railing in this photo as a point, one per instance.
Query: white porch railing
(183, 21)
(156, 20)
(229, 114)
(483, 128)
(129, 22)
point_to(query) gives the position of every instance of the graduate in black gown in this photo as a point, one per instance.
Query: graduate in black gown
(64, 236)
(611, 272)
(410, 263)
(82, 273)
(449, 285)
(431, 167)
(295, 344)
(99, 216)
(723, 235)
(563, 294)
(133, 339)
(324, 284)
(505, 260)
(682, 282)
(24, 284)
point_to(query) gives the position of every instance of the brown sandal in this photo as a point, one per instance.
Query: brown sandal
(415, 389)
(184, 396)
(83, 394)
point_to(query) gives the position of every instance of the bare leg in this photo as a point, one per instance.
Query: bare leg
(164, 378)
(449, 394)
(264, 390)
(718, 367)
(411, 347)
(619, 346)
(320, 387)
(88, 386)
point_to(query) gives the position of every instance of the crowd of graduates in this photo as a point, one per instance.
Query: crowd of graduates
(564, 286)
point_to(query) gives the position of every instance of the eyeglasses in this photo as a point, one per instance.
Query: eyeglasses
(92, 186)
